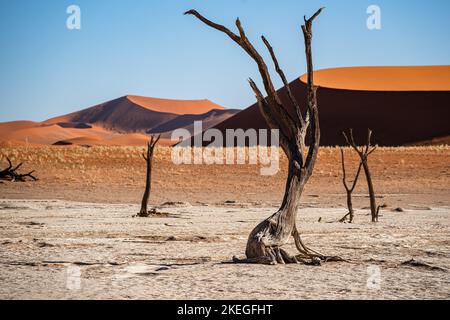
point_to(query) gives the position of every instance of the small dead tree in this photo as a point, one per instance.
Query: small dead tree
(349, 189)
(265, 242)
(11, 174)
(364, 152)
(148, 157)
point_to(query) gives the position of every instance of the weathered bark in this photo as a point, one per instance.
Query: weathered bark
(364, 152)
(148, 183)
(265, 241)
(349, 190)
(11, 174)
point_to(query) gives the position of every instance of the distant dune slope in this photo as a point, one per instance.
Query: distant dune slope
(123, 121)
(120, 115)
(403, 105)
(209, 119)
(46, 134)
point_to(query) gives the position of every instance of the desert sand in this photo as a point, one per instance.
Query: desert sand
(78, 216)
(186, 256)
(36, 134)
(402, 176)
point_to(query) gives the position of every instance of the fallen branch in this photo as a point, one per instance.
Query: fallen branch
(420, 264)
(12, 175)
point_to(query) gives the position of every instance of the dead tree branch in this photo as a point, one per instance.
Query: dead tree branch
(11, 173)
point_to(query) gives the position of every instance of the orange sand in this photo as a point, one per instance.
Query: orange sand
(408, 78)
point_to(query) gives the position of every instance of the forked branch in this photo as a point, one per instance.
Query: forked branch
(344, 176)
(349, 189)
(285, 82)
(363, 154)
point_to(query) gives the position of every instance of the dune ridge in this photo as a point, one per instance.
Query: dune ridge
(178, 107)
(384, 78)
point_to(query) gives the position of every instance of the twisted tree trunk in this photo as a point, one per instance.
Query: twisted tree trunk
(148, 183)
(265, 241)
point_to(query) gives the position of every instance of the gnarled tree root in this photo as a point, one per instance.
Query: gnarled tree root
(153, 213)
(276, 255)
(348, 216)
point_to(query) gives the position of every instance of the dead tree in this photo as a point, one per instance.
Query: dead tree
(148, 157)
(351, 213)
(11, 174)
(364, 152)
(266, 240)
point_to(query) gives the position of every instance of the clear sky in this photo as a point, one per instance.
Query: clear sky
(147, 47)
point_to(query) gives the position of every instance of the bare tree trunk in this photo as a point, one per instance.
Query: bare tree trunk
(11, 174)
(364, 152)
(348, 189)
(373, 203)
(351, 212)
(265, 241)
(148, 158)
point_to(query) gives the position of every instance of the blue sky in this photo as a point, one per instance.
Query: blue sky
(147, 47)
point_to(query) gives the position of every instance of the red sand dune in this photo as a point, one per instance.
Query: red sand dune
(45, 134)
(403, 105)
(123, 121)
(138, 114)
(5, 127)
(121, 115)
